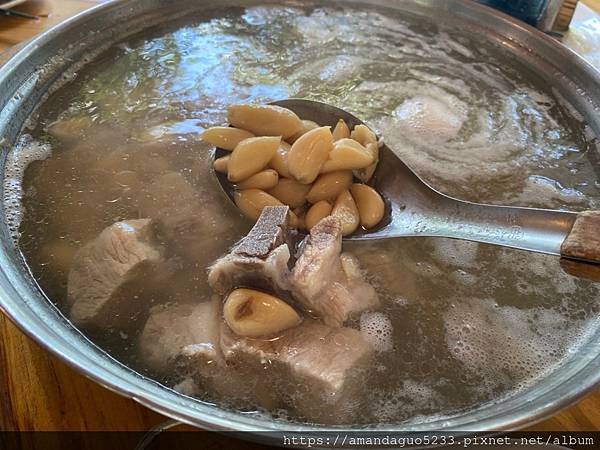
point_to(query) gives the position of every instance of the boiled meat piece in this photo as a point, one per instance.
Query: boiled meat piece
(182, 342)
(260, 259)
(122, 253)
(182, 332)
(322, 281)
(196, 224)
(327, 283)
(317, 364)
(318, 263)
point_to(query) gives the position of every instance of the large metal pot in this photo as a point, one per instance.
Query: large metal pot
(27, 77)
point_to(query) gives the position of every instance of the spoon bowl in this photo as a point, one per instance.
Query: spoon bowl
(413, 208)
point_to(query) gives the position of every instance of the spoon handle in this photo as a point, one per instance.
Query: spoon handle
(562, 233)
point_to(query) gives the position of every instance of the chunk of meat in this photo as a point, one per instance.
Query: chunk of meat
(349, 299)
(347, 295)
(318, 263)
(183, 342)
(196, 224)
(327, 283)
(317, 365)
(182, 332)
(239, 385)
(322, 281)
(260, 259)
(122, 253)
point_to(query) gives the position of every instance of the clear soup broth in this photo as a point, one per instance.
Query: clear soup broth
(471, 323)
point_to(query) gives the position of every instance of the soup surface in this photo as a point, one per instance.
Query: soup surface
(470, 323)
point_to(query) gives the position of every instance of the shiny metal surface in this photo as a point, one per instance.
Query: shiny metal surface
(26, 78)
(416, 209)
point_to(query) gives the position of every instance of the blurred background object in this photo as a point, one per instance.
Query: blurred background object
(16, 29)
(7, 4)
(547, 15)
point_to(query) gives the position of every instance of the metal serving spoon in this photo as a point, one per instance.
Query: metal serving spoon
(413, 208)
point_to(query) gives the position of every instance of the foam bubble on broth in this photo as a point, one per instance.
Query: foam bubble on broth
(377, 329)
(454, 252)
(456, 133)
(539, 190)
(425, 118)
(410, 398)
(24, 153)
(532, 340)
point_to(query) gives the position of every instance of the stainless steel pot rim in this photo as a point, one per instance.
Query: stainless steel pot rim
(513, 413)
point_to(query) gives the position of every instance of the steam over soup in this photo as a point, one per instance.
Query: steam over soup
(125, 228)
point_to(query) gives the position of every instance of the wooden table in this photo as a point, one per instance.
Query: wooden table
(39, 392)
